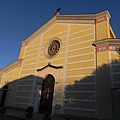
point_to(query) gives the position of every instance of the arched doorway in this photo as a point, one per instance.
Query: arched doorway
(4, 93)
(47, 94)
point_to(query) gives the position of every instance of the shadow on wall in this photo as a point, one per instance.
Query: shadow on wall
(82, 97)
(25, 91)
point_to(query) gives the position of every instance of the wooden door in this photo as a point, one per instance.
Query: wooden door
(47, 94)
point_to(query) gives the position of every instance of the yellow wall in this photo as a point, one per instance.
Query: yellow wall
(22, 51)
(104, 30)
(80, 56)
(104, 86)
(10, 78)
(102, 58)
(78, 59)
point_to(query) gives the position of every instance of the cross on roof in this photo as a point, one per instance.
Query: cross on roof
(58, 9)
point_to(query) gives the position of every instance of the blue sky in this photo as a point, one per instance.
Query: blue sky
(20, 18)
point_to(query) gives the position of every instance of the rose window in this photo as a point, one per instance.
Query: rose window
(53, 48)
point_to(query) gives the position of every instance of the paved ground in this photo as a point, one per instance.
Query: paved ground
(6, 117)
(21, 115)
(9, 118)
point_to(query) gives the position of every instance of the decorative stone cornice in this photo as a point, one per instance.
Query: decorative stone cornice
(11, 66)
(39, 31)
(107, 41)
(1, 72)
(76, 18)
(107, 44)
(104, 13)
(24, 43)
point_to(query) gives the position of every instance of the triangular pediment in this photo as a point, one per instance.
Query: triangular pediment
(72, 19)
(51, 66)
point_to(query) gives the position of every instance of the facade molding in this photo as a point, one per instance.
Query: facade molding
(107, 44)
(79, 19)
(12, 66)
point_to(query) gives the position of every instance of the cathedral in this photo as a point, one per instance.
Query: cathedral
(69, 66)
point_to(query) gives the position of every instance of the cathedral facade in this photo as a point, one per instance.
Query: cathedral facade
(69, 66)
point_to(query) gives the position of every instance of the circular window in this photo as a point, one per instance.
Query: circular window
(52, 48)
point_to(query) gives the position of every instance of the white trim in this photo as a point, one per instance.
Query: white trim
(32, 50)
(80, 91)
(95, 64)
(77, 24)
(82, 109)
(55, 57)
(81, 75)
(61, 53)
(63, 47)
(23, 90)
(7, 77)
(63, 41)
(81, 61)
(81, 55)
(56, 38)
(84, 100)
(111, 69)
(37, 101)
(24, 79)
(65, 66)
(85, 83)
(80, 68)
(55, 34)
(51, 59)
(80, 49)
(77, 100)
(25, 85)
(39, 34)
(28, 69)
(81, 42)
(22, 97)
(29, 64)
(30, 58)
(26, 74)
(21, 103)
(82, 36)
(82, 30)
(30, 55)
(8, 73)
(18, 78)
(29, 46)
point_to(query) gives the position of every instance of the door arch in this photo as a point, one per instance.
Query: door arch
(4, 93)
(47, 94)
